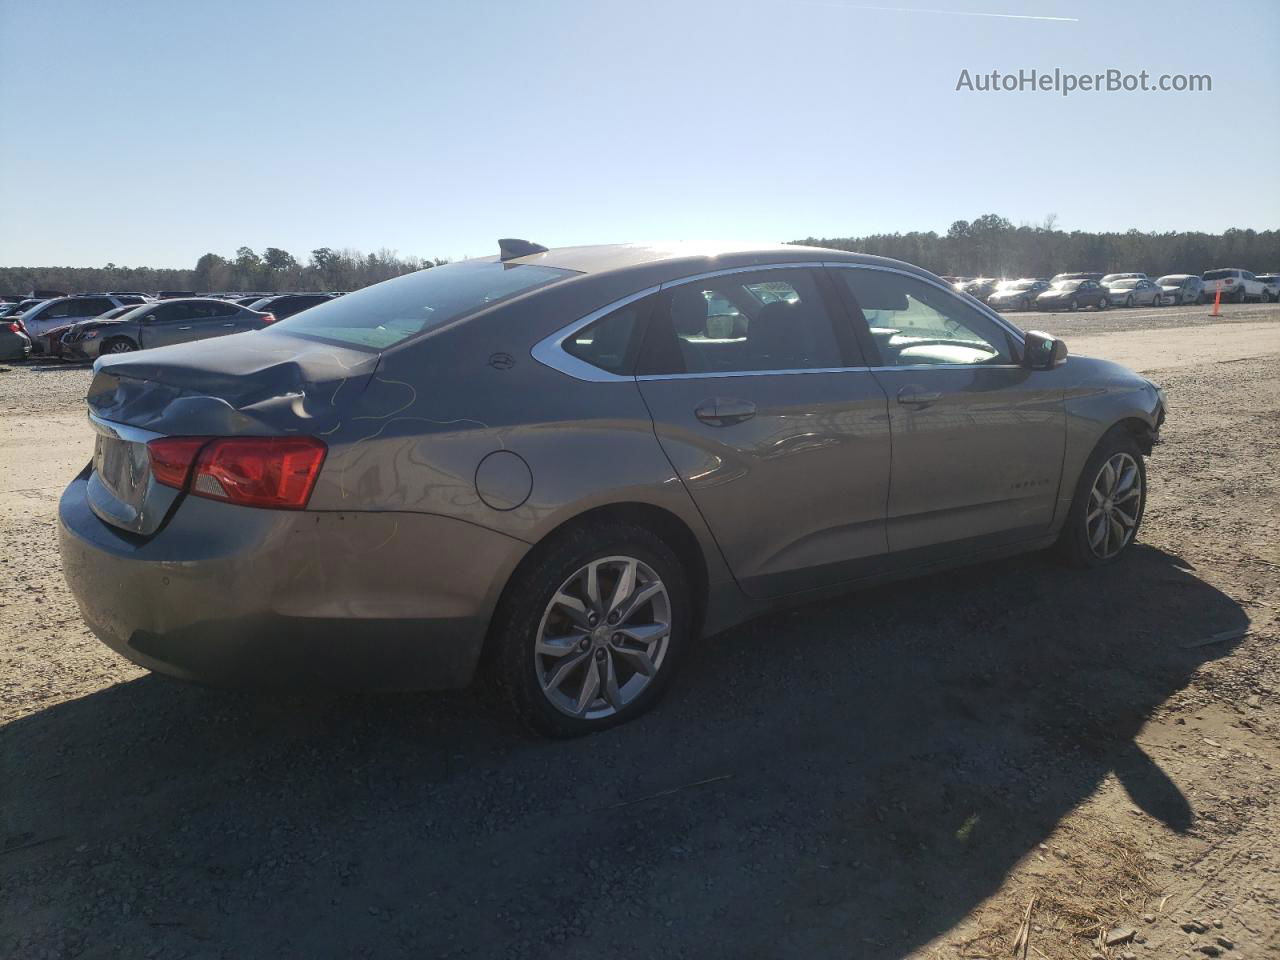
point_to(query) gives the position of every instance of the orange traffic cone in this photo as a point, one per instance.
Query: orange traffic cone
(1217, 303)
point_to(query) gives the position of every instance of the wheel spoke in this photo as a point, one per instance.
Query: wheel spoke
(639, 599)
(1099, 534)
(573, 607)
(639, 660)
(590, 687)
(626, 586)
(566, 667)
(593, 586)
(1113, 526)
(609, 683)
(645, 633)
(558, 646)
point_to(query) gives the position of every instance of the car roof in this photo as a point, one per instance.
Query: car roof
(681, 260)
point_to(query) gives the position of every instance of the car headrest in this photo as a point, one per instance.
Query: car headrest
(688, 311)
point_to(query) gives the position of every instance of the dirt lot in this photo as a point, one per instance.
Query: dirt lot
(942, 768)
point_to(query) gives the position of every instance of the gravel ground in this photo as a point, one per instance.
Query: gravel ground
(906, 772)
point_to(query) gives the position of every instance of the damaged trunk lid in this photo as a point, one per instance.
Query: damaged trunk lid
(260, 383)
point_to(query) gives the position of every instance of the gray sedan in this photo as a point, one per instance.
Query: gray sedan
(158, 325)
(563, 467)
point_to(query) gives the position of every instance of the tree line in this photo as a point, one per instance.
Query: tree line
(991, 246)
(273, 269)
(988, 246)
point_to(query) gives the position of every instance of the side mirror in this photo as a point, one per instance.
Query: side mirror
(1043, 351)
(149, 318)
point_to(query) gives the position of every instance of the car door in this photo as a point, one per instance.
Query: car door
(163, 325)
(762, 403)
(978, 439)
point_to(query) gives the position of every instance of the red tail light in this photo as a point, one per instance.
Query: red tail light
(1229, 280)
(268, 319)
(14, 328)
(276, 472)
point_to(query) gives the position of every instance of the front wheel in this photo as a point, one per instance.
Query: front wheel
(592, 633)
(119, 345)
(1073, 305)
(1107, 509)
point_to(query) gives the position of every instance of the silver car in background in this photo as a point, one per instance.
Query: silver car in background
(1017, 294)
(160, 324)
(565, 466)
(1181, 288)
(1132, 293)
(48, 315)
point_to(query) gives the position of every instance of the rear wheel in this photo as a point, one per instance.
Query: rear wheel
(592, 634)
(1110, 497)
(1240, 295)
(119, 345)
(1074, 304)
(1128, 301)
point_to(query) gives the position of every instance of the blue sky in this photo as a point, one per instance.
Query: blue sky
(152, 132)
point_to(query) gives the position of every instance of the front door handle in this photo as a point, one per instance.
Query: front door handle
(724, 411)
(918, 396)
(184, 328)
(228, 324)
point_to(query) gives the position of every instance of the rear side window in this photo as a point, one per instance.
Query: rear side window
(743, 322)
(610, 342)
(388, 313)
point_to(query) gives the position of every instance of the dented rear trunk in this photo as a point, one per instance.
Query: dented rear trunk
(252, 384)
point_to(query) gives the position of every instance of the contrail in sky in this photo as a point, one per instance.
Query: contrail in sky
(953, 13)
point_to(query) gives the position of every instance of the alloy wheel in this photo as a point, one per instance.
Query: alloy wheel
(603, 637)
(120, 346)
(1115, 504)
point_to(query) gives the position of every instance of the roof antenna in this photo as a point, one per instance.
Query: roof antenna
(512, 248)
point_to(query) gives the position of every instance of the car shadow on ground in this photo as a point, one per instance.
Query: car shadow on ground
(846, 779)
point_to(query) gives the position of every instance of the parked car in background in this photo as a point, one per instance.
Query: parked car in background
(1236, 285)
(54, 344)
(1111, 278)
(174, 294)
(980, 288)
(14, 308)
(249, 299)
(1017, 294)
(1074, 294)
(257, 507)
(1180, 288)
(1130, 292)
(161, 324)
(1075, 276)
(1271, 286)
(14, 343)
(60, 312)
(287, 304)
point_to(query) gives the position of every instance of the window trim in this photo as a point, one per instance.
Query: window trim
(549, 351)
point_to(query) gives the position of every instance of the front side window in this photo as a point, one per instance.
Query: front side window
(390, 312)
(913, 322)
(743, 322)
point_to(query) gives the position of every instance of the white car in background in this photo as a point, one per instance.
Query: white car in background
(1236, 285)
(1111, 278)
(1180, 288)
(1271, 286)
(1131, 291)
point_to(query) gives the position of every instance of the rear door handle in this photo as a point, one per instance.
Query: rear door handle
(184, 328)
(917, 396)
(228, 324)
(724, 411)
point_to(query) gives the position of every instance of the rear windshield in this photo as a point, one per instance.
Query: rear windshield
(1219, 274)
(1124, 284)
(1173, 280)
(387, 313)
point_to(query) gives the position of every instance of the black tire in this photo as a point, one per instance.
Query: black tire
(117, 345)
(516, 622)
(1073, 547)
(1240, 295)
(1103, 303)
(1073, 305)
(1128, 301)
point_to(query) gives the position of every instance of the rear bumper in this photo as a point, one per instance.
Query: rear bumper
(245, 597)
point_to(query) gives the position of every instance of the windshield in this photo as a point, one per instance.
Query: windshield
(1219, 274)
(1173, 280)
(1123, 284)
(387, 313)
(1017, 285)
(1067, 284)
